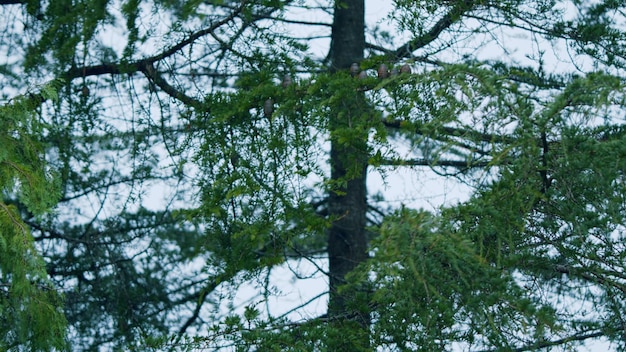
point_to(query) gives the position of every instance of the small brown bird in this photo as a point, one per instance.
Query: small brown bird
(268, 107)
(405, 69)
(383, 71)
(354, 69)
(286, 81)
(362, 75)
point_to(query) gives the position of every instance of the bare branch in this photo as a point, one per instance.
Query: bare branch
(589, 275)
(200, 297)
(458, 132)
(453, 16)
(460, 164)
(306, 23)
(147, 68)
(545, 344)
(196, 35)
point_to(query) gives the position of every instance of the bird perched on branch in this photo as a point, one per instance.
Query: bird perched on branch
(286, 81)
(383, 71)
(354, 69)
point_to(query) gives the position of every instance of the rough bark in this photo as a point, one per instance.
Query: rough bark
(347, 242)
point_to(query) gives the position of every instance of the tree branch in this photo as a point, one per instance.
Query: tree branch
(546, 344)
(194, 36)
(593, 277)
(460, 164)
(458, 132)
(146, 65)
(451, 17)
(147, 68)
(201, 298)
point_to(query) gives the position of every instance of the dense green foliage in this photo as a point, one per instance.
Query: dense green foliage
(187, 151)
(30, 306)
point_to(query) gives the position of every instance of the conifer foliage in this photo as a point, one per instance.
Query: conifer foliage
(31, 308)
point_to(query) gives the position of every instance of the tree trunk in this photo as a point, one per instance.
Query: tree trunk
(347, 242)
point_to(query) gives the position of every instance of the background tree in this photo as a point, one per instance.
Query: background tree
(191, 154)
